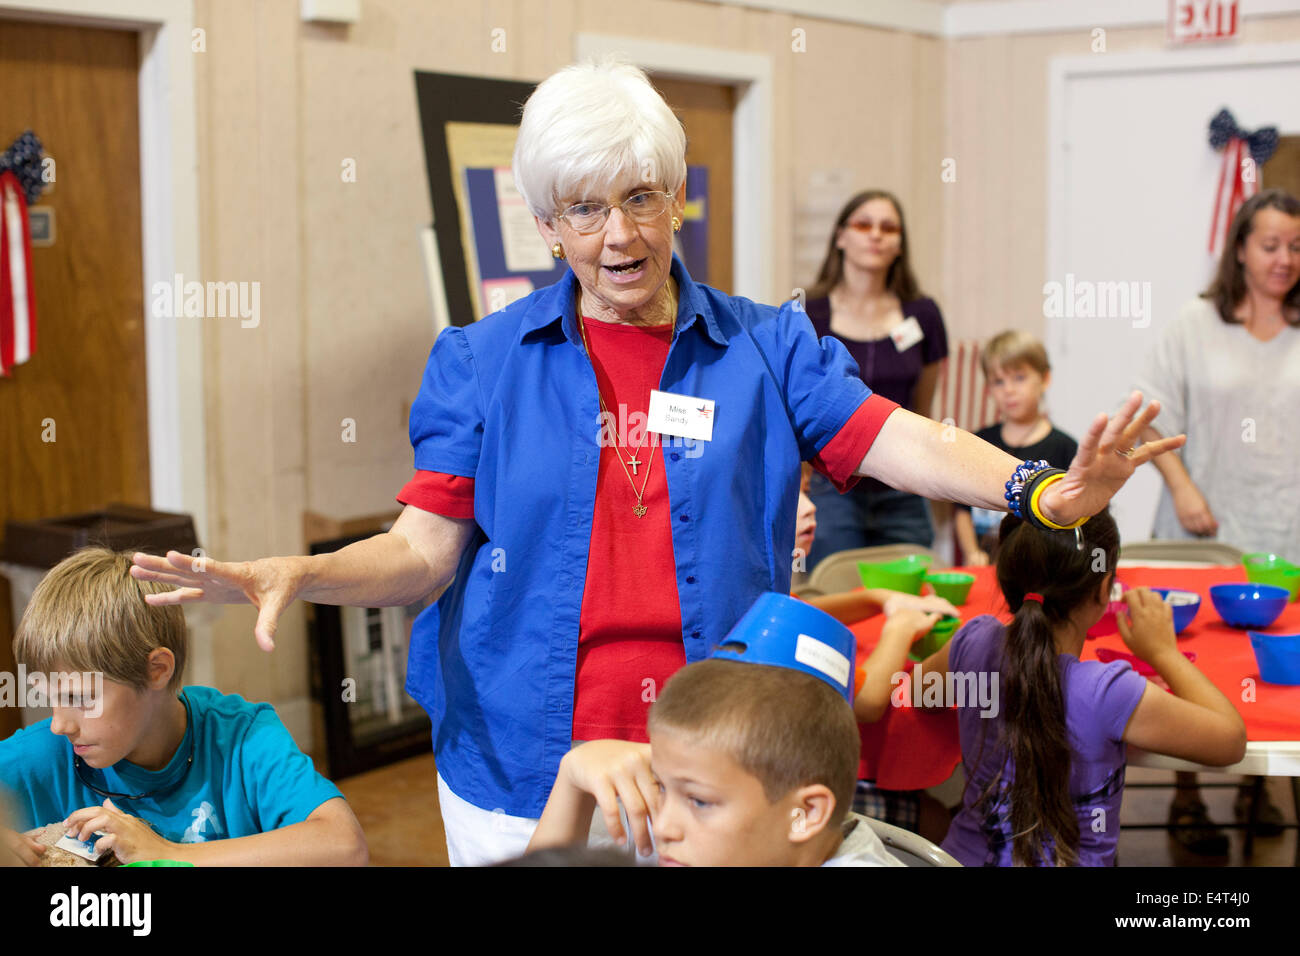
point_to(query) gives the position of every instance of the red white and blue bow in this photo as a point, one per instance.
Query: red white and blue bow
(1235, 187)
(20, 183)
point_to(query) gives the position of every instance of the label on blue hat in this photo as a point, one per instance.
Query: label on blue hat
(821, 656)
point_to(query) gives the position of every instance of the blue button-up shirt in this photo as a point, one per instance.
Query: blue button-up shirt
(511, 401)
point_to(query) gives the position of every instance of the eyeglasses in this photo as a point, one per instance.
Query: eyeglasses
(586, 218)
(887, 228)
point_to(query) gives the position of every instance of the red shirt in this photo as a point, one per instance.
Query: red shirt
(630, 630)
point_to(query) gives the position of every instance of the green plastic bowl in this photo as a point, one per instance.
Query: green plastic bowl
(938, 636)
(953, 586)
(159, 863)
(903, 574)
(1272, 569)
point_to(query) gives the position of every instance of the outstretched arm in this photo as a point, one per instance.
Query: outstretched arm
(417, 557)
(919, 455)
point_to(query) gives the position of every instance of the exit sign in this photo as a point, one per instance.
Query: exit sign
(1192, 21)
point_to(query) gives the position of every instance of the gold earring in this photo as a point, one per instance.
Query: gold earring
(677, 224)
(557, 251)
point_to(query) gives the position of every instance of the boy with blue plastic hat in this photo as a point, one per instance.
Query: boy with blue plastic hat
(163, 772)
(752, 757)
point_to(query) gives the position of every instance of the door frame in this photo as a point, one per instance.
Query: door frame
(753, 264)
(169, 217)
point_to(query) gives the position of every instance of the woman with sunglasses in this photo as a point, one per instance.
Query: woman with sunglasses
(607, 473)
(867, 298)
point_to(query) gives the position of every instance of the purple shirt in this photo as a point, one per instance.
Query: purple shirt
(885, 369)
(1099, 700)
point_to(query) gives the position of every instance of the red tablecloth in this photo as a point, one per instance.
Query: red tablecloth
(912, 748)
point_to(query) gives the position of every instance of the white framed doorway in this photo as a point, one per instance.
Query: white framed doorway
(1131, 185)
(170, 220)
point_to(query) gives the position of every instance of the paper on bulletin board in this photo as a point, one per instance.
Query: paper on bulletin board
(525, 249)
(475, 145)
(505, 257)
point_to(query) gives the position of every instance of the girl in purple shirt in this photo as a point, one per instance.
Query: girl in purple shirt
(1043, 733)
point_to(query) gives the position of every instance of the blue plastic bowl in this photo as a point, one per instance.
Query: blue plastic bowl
(1185, 604)
(781, 631)
(1278, 657)
(1249, 605)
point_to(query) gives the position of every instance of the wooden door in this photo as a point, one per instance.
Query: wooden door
(73, 419)
(707, 110)
(1282, 171)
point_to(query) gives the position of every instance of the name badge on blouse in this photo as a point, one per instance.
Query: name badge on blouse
(680, 415)
(907, 334)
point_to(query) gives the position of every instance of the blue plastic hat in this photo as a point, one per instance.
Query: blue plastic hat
(781, 631)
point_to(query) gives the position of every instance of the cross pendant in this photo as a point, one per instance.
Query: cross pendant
(634, 461)
(639, 510)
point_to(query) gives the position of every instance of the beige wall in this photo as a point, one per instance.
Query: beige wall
(345, 325)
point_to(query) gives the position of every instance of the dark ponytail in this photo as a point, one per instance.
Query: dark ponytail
(1067, 570)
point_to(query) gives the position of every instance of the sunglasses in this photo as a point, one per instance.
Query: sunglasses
(887, 227)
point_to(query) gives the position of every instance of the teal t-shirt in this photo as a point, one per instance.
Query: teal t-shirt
(248, 775)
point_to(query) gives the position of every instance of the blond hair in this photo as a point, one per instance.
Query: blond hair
(89, 615)
(1011, 348)
(783, 727)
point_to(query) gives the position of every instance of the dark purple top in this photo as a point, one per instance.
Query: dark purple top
(886, 370)
(1099, 700)
(883, 367)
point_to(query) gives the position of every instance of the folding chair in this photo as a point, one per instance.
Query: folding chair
(1189, 550)
(911, 848)
(839, 572)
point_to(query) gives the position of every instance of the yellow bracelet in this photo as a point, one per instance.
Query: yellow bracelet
(1033, 506)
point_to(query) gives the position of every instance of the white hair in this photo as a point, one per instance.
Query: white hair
(591, 126)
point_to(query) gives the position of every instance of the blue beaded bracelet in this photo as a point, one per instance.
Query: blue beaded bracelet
(1020, 478)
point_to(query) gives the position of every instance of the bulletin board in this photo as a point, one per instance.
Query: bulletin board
(487, 243)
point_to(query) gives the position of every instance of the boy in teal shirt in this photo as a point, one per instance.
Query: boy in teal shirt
(163, 772)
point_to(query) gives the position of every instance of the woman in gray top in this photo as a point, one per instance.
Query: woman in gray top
(1227, 372)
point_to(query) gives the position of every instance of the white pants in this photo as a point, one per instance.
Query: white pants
(478, 837)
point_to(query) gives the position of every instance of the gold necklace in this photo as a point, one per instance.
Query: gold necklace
(640, 508)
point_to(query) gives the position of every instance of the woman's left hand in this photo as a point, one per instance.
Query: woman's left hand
(1105, 460)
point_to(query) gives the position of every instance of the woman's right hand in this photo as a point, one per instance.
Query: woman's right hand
(1148, 628)
(1194, 511)
(269, 584)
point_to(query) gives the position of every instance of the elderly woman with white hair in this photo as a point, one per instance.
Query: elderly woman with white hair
(607, 473)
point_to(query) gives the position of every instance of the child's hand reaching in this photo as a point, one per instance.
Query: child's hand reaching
(930, 603)
(20, 845)
(1148, 628)
(910, 622)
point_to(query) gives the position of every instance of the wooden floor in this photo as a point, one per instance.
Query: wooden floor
(398, 809)
(397, 806)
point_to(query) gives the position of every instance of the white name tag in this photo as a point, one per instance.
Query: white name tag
(680, 415)
(907, 334)
(822, 657)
